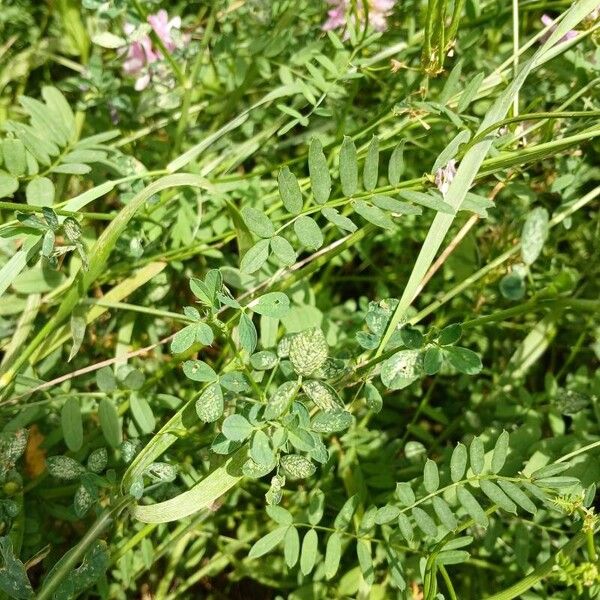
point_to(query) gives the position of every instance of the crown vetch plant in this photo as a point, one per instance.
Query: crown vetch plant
(319, 320)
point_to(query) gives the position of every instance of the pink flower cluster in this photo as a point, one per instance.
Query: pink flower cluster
(343, 14)
(141, 53)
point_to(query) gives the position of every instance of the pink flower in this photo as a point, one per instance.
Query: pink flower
(549, 22)
(141, 53)
(342, 14)
(444, 176)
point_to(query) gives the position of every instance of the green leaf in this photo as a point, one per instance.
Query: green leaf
(289, 190)
(183, 339)
(463, 359)
(255, 257)
(431, 476)
(64, 467)
(396, 164)
(258, 222)
(109, 422)
(348, 167)
(373, 215)
(323, 395)
(209, 405)
(280, 400)
(308, 232)
(320, 179)
(308, 351)
(371, 168)
(343, 518)
(427, 200)
(500, 452)
(85, 497)
(280, 515)
(8, 185)
(197, 370)
(444, 513)
(412, 338)
(472, 507)
(534, 234)
(291, 547)
(396, 206)
(340, 221)
(14, 156)
(469, 92)
(273, 304)
(260, 449)
(477, 455)
(78, 325)
(308, 555)
(424, 522)
(266, 543)
(316, 506)
(142, 413)
(405, 527)
(330, 422)
(97, 460)
(333, 554)
(520, 498)
(296, 466)
(432, 360)
(405, 493)
(283, 250)
(387, 514)
(373, 398)
(450, 334)
(365, 561)
(247, 333)
(13, 575)
(401, 369)
(458, 462)
(40, 192)
(237, 428)
(60, 110)
(105, 380)
(513, 286)
(264, 361)
(72, 425)
(72, 169)
(497, 496)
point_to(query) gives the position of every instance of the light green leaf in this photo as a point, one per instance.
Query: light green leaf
(387, 514)
(333, 554)
(283, 250)
(424, 522)
(405, 493)
(72, 425)
(320, 179)
(519, 497)
(40, 192)
(281, 399)
(458, 462)
(289, 190)
(330, 422)
(255, 257)
(444, 513)
(428, 201)
(14, 156)
(260, 449)
(463, 359)
(142, 413)
(209, 405)
(247, 333)
(308, 556)
(396, 164)
(308, 351)
(340, 221)
(500, 452)
(108, 40)
(477, 455)
(258, 222)
(472, 507)
(371, 168)
(8, 185)
(401, 369)
(316, 507)
(291, 548)
(266, 543)
(323, 395)
(237, 428)
(497, 496)
(534, 234)
(273, 304)
(348, 167)
(197, 370)
(374, 215)
(365, 561)
(296, 466)
(109, 422)
(308, 232)
(431, 476)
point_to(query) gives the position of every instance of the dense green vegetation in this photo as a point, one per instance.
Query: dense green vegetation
(299, 299)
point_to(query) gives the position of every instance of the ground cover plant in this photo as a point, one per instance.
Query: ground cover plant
(299, 299)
